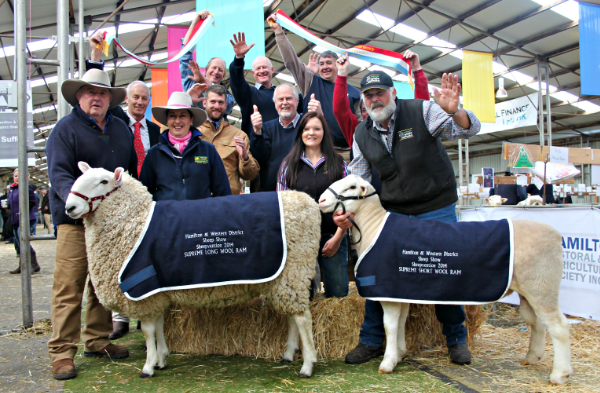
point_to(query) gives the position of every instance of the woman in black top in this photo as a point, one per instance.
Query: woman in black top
(311, 166)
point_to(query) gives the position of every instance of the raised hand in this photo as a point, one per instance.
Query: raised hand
(256, 120)
(448, 97)
(312, 63)
(241, 147)
(314, 105)
(95, 46)
(196, 90)
(202, 14)
(343, 65)
(415, 63)
(197, 77)
(272, 19)
(239, 45)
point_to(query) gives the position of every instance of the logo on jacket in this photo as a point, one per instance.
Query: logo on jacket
(201, 159)
(405, 134)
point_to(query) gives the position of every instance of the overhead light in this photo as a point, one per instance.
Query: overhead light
(501, 92)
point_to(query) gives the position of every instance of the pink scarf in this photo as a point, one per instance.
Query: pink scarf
(180, 143)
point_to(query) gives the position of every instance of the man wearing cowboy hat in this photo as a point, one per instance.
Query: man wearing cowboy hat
(87, 134)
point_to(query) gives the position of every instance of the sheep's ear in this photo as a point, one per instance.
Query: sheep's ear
(118, 176)
(487, 200)
(504, 200)
(363, 190)
(83, 166)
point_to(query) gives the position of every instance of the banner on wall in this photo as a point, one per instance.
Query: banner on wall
(520, 112)
(9, 128)
(478, 84)
(589, 55)
(580, 231)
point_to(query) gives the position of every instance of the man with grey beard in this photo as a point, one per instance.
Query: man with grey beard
(272, 141)
(401, 139)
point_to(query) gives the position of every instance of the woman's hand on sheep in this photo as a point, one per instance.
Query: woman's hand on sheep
(341, 220)
(332, 246)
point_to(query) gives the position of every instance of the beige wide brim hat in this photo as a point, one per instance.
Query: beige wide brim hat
(93, 77)
(179, 100)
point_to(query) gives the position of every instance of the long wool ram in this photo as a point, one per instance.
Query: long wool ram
(113, 227)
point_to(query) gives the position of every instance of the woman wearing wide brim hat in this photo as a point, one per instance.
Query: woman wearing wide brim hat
(93, 77)
(181, 165)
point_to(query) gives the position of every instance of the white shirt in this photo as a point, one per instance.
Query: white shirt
(143, 130)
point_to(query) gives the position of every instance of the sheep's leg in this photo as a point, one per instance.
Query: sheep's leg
(292, 342)
(537, 342)
(558, 327)
(391, 317)
(161, 344)
(402, 330)
(309, 353)
(149, 330)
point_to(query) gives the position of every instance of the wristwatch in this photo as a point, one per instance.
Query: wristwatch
(455, 113)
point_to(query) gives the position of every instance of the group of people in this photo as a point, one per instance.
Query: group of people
(289, 140)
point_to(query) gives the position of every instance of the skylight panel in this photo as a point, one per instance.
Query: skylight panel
(457, 53)
(267, 3)
(285, 77)
(44, 109)
(563, 95)
(383, 69)
(401, 78)
(409, 32)
(519, 77)
(40, 81)
(568, 9)
(587, 106)
(376, 19)
(553, 89)
(439, 44)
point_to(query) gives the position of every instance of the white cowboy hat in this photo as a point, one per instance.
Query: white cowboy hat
(179, 100)
(93, 77)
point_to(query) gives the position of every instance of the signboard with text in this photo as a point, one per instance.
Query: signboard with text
(9, 130)
(520, 112)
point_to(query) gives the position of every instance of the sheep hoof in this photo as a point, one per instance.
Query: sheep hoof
(286, 361)
(144, 375)
(524, 363)
(303, 375)
(157, 367)
(384, 371)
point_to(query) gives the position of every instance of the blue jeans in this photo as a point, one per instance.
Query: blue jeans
(451, 317)
(334, 270)
(18, 240)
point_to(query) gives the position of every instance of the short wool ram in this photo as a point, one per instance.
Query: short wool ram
(113, 227)
(537, 273)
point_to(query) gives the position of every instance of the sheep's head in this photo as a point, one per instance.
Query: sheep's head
(495, 200)
(93, 184)
(351, 186)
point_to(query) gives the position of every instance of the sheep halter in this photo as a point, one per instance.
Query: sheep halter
(91, 201)
(340, 201)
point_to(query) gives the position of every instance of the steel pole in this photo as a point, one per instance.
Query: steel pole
(548, 106)
(81, 28)
(62, 33)
(21, 12)
(540, 105)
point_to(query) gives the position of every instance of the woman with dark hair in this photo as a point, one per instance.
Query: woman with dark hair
(311, 166)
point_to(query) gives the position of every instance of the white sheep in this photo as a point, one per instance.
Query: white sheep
(531, 200)
(113, 227)
(537, 273)
(495, 200)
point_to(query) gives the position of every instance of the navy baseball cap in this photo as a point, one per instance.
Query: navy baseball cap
(376, 80)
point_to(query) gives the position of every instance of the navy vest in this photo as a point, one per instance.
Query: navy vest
(418, 176)
(323, 91)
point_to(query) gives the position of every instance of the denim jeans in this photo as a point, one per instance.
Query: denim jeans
(451, 317)
(18, 240)
(334, 270)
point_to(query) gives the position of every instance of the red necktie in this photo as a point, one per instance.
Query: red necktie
(139, 146)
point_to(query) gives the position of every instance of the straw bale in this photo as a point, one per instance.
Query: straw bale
(255, 329)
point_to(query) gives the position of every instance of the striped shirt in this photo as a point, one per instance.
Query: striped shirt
(437, 121)
(281, 180)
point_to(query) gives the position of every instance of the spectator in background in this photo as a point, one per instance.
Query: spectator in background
(13, 204)
(91, 134)
(7, 232)
(533, 190)
(214, 73)
(231, 143)
(321, 85)
(182, 166)
(34, 211)
(45, 209)
(311, 167)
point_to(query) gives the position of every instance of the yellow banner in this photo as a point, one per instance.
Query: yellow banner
(478, 85)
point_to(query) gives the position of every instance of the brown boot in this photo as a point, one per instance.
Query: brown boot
(35, 267)
(119, 330)
(64, 369)
(111, 351)
(16, 271)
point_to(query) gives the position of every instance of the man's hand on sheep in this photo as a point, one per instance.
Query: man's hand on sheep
(341, 220)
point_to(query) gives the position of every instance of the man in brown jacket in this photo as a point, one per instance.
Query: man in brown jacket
(231, 142)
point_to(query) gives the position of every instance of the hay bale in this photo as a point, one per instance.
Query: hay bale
(254, 329)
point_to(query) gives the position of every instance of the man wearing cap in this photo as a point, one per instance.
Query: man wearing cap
(402, 140)
(45, 208)
(92, 135)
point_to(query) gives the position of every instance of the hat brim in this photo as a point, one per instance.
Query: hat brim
(70, 87)
(376, 87)
(160, 114)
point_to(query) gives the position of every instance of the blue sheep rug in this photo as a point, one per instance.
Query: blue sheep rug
(434, 262)
(237, 239)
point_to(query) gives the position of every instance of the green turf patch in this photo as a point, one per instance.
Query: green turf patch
(189, 373)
